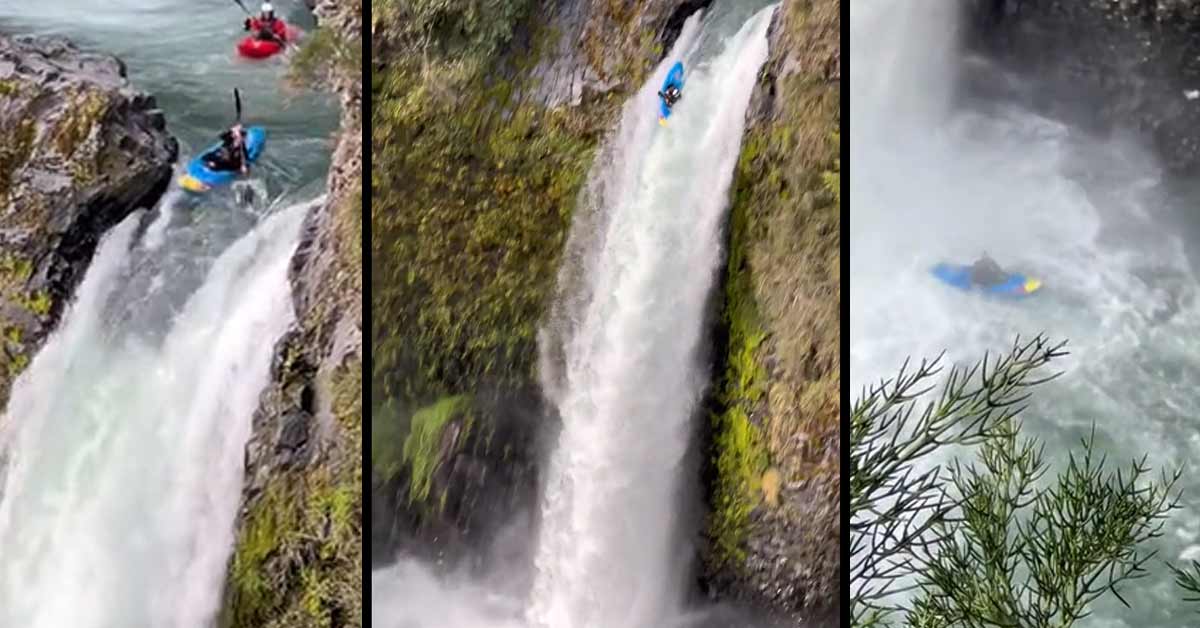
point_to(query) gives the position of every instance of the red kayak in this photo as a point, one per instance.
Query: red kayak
(254, 47)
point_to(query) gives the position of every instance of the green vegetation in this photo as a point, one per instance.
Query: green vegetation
(449, 28)
(14, 271)
(348, 227)
(470, 212)
(298, 562)
(16, 364)
(473, 190)
(388, 430)
(9, 87)
(14, 352)
(14, 152)
(472, 195)
(989, 544)
(80, 117)
(38, 302)
(324, 53)
(741, 455)
(421, 448)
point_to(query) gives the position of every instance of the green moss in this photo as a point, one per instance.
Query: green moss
(84, 113)
(9, 87)
(324, 51)
(471, 201)
(448, 29)
(347, 396)
(741, 455)
(38, 302)
(16, 364)
(298, 560)
(421, 448)
(388, 429)
(14, 271)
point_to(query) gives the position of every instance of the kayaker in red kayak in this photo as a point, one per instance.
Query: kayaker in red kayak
(267, 27)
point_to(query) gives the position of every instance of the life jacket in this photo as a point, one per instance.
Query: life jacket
(278, 27)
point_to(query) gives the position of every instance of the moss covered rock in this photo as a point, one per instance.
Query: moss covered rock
(774, 527)
(80, 149)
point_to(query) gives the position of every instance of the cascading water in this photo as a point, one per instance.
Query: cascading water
(123, 442)
(608, 554)
(124, 454)
(628, 331)
(940, 177)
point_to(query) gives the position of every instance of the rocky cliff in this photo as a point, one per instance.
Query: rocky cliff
(775, 524)
(298, 559)
(80, 149)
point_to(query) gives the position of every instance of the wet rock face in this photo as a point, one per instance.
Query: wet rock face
(1130, 66)
(80, 149)
(596, 47)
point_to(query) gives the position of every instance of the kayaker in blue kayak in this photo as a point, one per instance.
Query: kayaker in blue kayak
(231, 155)
(986, 272)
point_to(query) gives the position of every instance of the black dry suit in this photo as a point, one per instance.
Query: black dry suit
(231, 155)
(986, 272)
(671, 96)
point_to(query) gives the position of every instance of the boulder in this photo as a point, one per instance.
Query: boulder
(81, 150)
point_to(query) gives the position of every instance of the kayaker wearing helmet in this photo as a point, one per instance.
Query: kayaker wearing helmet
(266, 26)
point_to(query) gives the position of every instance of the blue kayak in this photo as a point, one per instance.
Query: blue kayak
(200, 178)
(1015, 287)
(674, 78)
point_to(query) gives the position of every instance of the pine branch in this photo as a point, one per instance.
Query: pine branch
(990, 544)
(1188, 580)
(898, 514)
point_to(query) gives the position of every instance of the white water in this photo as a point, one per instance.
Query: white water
(125, 447)
(936, 178)
(608, 554)
(647, 248)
